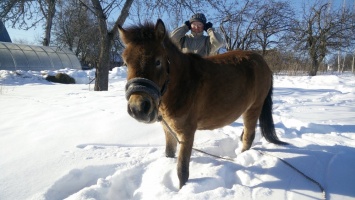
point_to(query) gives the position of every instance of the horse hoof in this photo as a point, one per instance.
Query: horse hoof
(181, 185)
(169, 155)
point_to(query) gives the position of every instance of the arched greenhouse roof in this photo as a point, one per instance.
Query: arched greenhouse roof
(35, 58)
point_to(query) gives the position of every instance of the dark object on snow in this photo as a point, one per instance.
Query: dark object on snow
(61, 78)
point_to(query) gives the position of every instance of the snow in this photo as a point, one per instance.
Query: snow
(62, 141)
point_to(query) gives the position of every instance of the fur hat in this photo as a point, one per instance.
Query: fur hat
(198, 17)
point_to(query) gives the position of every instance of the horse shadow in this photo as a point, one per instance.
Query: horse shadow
(310, 128)
(333, 167)
(315, 128)
(339, 157)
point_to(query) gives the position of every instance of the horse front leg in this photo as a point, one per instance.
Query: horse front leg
(171, 143)
(184, 158)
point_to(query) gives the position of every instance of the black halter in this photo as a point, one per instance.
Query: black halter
(147, 86)
(143, 85)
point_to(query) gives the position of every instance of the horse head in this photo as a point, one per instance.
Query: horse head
(148, 69)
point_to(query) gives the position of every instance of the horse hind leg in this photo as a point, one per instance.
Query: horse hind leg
(247, 141)
(266, 122)
(250, 119)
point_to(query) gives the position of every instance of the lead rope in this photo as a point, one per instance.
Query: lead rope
(198, 150)
(262, 153)
(297, 170)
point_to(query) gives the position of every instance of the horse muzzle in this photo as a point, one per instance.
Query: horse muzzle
(143, 98)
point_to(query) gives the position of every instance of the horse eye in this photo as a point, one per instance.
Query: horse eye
(157, 63)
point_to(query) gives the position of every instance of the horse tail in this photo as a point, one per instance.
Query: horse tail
(266, 121)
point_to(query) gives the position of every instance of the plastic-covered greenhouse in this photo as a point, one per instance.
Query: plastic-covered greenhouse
(35, 58)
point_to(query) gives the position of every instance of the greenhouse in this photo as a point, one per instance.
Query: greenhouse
(35, 58)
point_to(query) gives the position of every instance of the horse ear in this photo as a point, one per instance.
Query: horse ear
(160, 30)
(122, 33)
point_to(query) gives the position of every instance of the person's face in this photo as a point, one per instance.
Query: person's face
(197, 27)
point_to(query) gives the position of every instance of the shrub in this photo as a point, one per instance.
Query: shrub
(61, 78)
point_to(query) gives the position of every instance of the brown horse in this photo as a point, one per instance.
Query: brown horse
(193, 93)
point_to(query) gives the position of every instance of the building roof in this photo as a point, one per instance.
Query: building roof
(4, 35)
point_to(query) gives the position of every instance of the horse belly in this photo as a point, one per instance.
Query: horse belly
(216, 123)
(221, 114)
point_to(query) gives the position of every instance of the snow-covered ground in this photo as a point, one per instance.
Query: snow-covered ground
(69, 142)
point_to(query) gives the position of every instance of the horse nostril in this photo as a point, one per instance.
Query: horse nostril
(145, 106)
(139, 110)
(130, 109)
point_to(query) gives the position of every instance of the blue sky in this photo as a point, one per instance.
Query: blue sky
(34, 35)
(29, 36)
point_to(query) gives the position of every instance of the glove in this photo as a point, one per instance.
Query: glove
(188, 24)
(207, 26)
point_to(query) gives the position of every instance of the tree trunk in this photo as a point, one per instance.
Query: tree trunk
(353, 64)
(101, 81)
(106, 38)
(102, 70)
(314, 68)
(339, 61)
(49, 22)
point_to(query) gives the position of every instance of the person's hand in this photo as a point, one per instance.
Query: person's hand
(188, 24)
(207, 26)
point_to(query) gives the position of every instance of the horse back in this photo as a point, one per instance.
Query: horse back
(230, 84)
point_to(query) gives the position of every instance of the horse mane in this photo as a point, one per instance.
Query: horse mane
(140, 34)
(194, 55)
(144, 33)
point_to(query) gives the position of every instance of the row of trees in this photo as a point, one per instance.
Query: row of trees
(305, 34)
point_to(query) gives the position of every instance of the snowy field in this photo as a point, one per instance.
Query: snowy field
(69, 142)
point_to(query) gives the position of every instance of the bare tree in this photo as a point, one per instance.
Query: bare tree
(275, 19)
(240, 23)
(106, 37)
(76, 29)
(176, 12)
(322, 29)
(346, 61)
(18, 11)
(28, 13)
(253, 24)
(48, 11)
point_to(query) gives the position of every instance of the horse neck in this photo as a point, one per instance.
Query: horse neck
(184, 78)
(179, 62)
